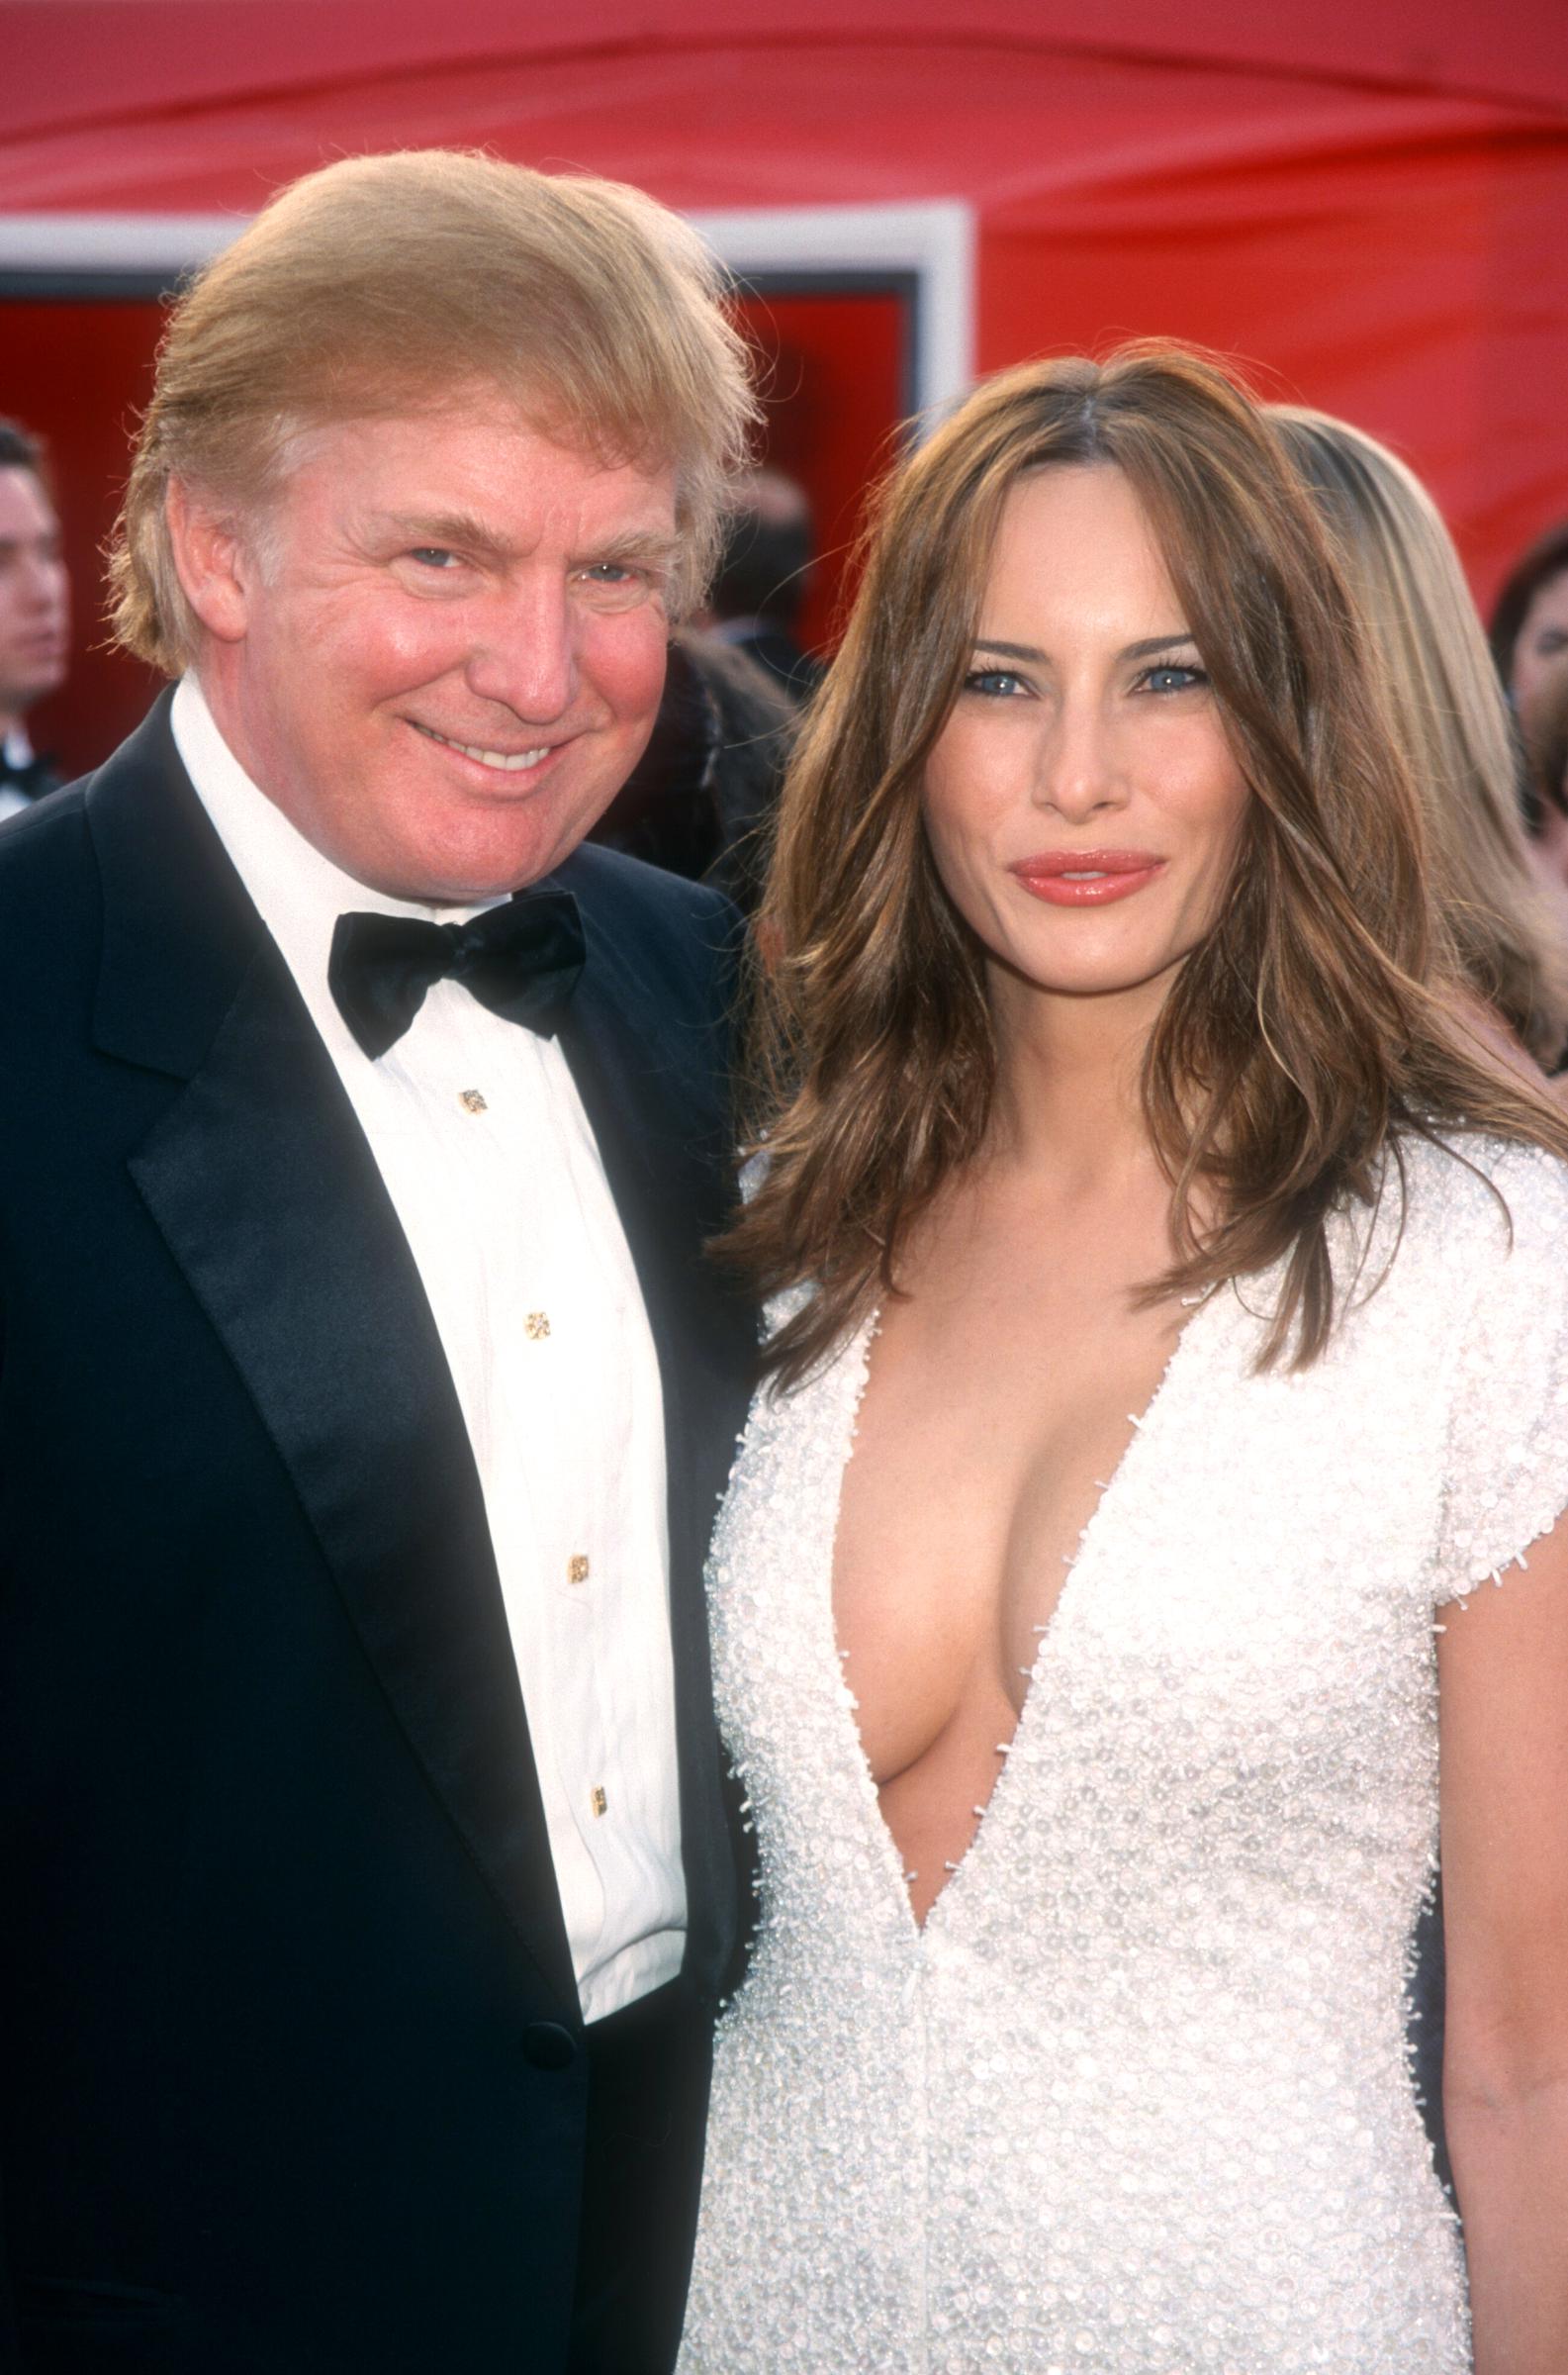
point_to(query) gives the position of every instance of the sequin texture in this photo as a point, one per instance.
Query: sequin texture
(1135, 2101)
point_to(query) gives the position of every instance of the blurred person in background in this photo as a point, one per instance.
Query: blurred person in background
(1546, 765)
(763, 577)
(700, 798)
(1451, 720)
(35, 614)
(1529, 623)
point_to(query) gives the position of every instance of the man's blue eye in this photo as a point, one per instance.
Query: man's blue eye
(433, 556)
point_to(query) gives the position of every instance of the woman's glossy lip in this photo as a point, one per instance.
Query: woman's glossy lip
(1086, 878)
(1086, 861)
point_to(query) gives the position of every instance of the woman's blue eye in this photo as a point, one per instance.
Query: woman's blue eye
(999, 684)
(1174, 677)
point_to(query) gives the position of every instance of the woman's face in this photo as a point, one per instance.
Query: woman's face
(1084, 805)
(1542, 653)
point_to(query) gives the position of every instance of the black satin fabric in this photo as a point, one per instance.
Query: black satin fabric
(647, 2101)
(521, 960)
(292, 2074)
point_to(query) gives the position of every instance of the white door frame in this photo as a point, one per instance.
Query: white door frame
(927, 246)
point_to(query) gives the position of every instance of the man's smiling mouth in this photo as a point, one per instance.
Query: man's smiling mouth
(510, 762)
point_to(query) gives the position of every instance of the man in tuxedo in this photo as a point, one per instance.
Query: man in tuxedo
(35, 614)
(367, 1883)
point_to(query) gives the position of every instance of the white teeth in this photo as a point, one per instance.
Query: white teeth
(512, 762)
(1083, 878)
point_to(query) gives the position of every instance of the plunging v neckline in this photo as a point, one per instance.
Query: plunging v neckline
(858, 1359)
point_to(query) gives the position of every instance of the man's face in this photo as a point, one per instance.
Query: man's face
(35, 597)
(441, 651)
(1540, 653)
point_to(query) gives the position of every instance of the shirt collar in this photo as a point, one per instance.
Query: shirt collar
(16, 749)
(299, 892)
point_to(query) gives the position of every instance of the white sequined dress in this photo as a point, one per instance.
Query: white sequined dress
(1135, 2101)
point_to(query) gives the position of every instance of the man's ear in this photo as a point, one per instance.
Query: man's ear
(215, 567)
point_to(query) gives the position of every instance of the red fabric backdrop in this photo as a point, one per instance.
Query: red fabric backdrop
(1366, 204)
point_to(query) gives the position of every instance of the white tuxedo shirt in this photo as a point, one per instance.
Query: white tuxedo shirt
(491, 1163)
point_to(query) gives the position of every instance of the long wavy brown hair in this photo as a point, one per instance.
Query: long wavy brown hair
(1316, 1025)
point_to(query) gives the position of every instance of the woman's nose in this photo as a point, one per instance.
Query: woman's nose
(1078, 772)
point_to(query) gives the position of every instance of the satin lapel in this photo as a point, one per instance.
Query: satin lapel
(264, 1187)
(670, 1192)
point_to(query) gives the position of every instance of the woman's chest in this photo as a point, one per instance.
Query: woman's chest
(1248, 1585)
(984, 1440)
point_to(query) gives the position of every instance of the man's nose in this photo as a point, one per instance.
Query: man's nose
(43, 583)
(1078, 770)
(524, 654)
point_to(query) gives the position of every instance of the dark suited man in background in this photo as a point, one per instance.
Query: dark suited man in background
(763, 577)
(35, 614)
(366, 1877)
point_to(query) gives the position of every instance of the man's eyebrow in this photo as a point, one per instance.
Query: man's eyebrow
(462, 532)
(638, 544)
(441, 529)
(1145, 651)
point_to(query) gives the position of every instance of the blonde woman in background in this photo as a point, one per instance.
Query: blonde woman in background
(1511, 932)
(1449, 718)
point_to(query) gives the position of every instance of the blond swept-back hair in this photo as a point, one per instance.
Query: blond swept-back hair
(383, 284)
(1318, 1023)
(1448, 715)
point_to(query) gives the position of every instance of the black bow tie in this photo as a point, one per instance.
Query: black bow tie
(521, 959)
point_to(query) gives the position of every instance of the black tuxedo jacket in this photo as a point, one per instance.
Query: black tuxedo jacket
(292, 2073)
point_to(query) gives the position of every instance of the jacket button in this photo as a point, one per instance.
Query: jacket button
(548, 2046)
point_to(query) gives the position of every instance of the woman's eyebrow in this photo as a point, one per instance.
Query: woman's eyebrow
(1009, 652)
(1152, 645)
(1145, 651)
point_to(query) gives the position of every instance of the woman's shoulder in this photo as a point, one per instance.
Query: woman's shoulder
(1461, 1256)
(1492, 1198)
(1495, 1216)
(1485, 1253)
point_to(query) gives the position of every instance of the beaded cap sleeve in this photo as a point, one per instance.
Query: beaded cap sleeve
(1506, 1471)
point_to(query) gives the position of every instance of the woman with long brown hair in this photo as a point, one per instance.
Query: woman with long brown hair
(1187, 1282)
